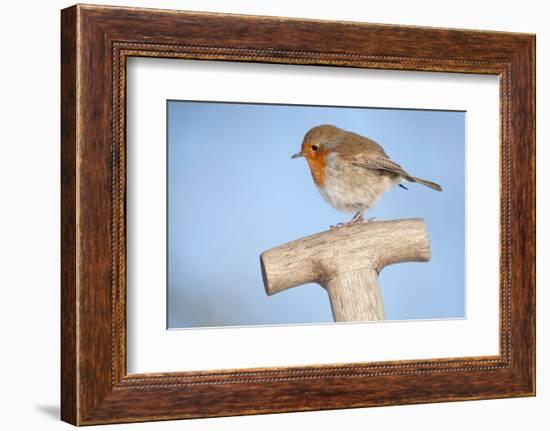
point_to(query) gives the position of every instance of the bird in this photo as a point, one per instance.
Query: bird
(351, 171)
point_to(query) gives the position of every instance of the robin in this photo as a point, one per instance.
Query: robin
(350, 171)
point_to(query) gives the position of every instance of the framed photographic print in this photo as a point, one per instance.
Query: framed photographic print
(264, 214)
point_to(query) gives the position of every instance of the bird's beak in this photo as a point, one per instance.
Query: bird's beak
(299, 154)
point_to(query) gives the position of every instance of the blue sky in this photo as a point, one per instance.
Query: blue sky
(233, 192)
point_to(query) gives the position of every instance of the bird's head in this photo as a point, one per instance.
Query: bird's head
(317, 144)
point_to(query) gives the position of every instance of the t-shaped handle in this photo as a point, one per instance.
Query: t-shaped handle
(346, 262)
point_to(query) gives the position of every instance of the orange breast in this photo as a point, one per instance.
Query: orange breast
(317, 165)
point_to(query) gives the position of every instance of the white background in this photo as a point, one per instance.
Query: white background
(29, 216)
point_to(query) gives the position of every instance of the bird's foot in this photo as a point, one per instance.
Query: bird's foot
(338, 225)
(354, 220)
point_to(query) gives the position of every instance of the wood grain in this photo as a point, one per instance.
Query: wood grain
(96, 41)
(355, 296)
(346, 261)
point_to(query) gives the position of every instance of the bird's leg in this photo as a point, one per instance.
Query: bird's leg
(358, 217)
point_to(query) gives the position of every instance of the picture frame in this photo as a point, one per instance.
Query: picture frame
(96, 42)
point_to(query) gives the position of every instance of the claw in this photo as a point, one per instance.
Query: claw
(338, 225)
(355, 220)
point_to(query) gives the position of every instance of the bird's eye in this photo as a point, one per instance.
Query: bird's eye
(315, 147)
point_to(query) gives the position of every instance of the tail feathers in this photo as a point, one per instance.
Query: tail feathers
(426, 183)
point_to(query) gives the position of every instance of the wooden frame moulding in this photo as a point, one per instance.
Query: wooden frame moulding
(95, 43)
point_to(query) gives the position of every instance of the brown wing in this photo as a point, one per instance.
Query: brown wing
(369, 154)
(385, 164)
(353, 144)
(382, 163)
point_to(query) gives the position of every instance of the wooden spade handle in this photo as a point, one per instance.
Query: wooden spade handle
(346, 262)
